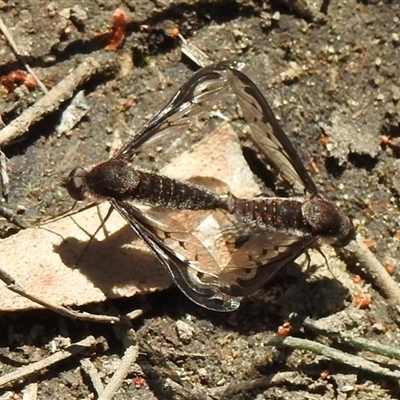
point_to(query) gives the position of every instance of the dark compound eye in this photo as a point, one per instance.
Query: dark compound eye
(75, 184)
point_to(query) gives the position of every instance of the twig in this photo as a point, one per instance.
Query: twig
(91, 371)
(23, 372)
(13, 218)
(372, 346)
(324, 327)
(193, 53)
(14, 46)
(76, 110)
(4, 179)
(66, 312)
(375, 270)
(134, 314)
(51, 101)
(130, 356)
(334, 354)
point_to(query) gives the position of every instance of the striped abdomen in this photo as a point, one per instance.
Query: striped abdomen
(273, 213)
(162, 191)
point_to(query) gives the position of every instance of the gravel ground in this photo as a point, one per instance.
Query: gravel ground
(333, 74)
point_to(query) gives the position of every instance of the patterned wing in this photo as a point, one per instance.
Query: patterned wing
(193, 98)
(259, 259)
(191, 266)
(266, 132)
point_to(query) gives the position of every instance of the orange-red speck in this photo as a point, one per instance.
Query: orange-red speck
(362, 300)
(16, 78)
(389, 268)
(117, 30)
(127, 105)
(370, 243)
(175, 32)
(139, 381)
(324, 140)
(285, 329)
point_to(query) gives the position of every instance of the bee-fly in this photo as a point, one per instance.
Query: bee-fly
(119, 182)
(286, 227)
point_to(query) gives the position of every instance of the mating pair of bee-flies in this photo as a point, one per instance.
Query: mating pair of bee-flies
(284, 228)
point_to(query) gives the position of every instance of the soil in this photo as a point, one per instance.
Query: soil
(333, 74)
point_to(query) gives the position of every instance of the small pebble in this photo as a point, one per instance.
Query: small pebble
(185, 331)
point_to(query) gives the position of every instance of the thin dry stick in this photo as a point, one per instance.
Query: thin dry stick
(76, 110)
(13, 218)
(375, 270)
(4, 179)
(323, 328)
(193, 53)
(333, 354)
(130, 357)
(14, 46)
(23, 372)
(134, 314)
(14, 287)
(51, 101)
(373, 347)
(91, 371)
